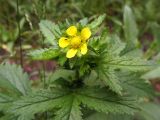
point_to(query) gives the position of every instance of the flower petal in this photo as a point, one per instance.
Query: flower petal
(85, 33)
(72, 31)
(71, 53)
(84, 48)
(63, 42)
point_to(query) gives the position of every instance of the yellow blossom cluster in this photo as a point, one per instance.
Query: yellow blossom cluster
(75, 41)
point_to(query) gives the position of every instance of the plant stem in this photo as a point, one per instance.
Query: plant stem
(19, 35)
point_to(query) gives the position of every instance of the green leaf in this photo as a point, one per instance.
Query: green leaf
(62, 59)
(156, 32)
(130, 27)
(44, 54)
(13, 78)
(150, 111)
(129, 63)
(39, 102)
(25, 117)
(152, 74)
(66, 103)
(110, 59)
(134, 85)
(104, 101)
(109, 78)
(5, 101)
(92, 79)
(115, 45)
(65, 74)
(97, 116)
(8, 117)
(70, 111)
(101, 116)
(12, 117)
(50, 30)
(97, 22)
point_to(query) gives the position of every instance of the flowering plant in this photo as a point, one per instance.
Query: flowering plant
(96, 74)
(76, 41)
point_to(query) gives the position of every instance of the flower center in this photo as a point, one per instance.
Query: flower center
(75, 42)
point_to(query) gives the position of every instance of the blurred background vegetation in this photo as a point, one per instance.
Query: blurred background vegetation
(133, 20)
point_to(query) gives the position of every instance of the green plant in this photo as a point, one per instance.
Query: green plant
(106, 79)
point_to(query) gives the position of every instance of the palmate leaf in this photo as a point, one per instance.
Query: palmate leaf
(110, 59)
(67, 103)
(12, 78)
(45, 100)
(44, 54)
(50, 30)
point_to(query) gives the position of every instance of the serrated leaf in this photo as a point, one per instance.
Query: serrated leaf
(110, 79)
(134, 85)
(103, 101)
(110, 59)
(13, 78)
(38, 102)
(44, 54)
(70, 111)
(115, 45)
(46, 100)
(129, 63)
(97, 22)
(50, 30)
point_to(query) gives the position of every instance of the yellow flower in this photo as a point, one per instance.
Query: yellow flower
(63, 42)
(72, 31)
(85, 33)
(76, 41)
